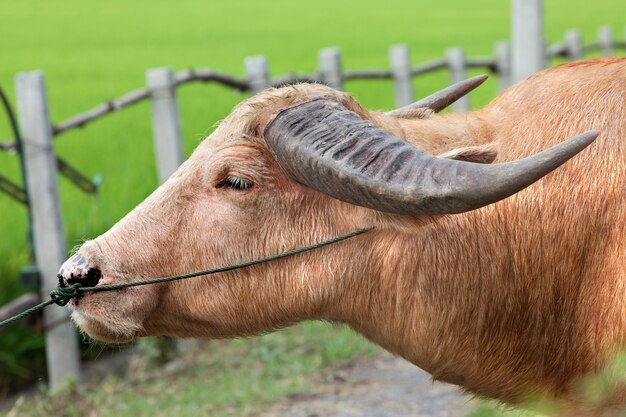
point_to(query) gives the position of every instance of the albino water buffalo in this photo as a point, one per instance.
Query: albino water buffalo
(506, 297)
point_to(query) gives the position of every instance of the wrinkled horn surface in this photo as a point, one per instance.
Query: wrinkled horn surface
(325, 146)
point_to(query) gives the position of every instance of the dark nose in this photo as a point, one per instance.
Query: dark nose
(77, 270)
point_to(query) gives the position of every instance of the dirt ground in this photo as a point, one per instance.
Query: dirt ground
(383, 386)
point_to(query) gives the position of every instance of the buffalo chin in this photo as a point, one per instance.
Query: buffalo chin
(100, 330)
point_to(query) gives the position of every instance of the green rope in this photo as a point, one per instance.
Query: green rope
(63, 294)
(28, 312)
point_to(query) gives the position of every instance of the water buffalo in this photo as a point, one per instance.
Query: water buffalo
(484, 268)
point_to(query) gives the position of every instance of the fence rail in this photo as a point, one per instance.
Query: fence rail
(18, 305)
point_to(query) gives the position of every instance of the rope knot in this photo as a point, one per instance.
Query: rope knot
(62, 295)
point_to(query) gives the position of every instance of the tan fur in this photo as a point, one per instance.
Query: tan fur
(521, 298)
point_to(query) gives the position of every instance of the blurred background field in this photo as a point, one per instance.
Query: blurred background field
(92, 51)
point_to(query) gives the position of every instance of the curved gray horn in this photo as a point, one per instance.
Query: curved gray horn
(442, 98)
(325, 146)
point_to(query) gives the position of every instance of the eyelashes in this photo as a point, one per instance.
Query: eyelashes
(235, 183)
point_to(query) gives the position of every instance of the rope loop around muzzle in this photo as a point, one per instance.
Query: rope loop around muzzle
(63, 294)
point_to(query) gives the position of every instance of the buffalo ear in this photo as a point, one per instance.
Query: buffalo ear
(481, 154)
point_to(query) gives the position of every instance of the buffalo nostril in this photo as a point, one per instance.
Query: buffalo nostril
(88, 279)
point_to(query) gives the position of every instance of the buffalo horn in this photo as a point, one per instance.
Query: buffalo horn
(442, 98)
(329, 148)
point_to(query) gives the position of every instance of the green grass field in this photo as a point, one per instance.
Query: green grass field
(92, 51)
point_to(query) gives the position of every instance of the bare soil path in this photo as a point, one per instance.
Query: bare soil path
(383, 386)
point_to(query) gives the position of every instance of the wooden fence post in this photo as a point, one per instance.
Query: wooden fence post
(502, 54)
(165, 122)
(574, 44)
(528, 55)
(400, 62)
(455, 60)
(257, 71)
(330, 67)
(168, 145)
(605, 39)
(49, 238)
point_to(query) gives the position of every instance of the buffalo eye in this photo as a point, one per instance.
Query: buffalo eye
(235, 183)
